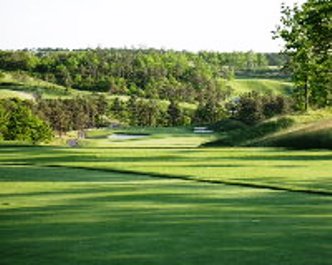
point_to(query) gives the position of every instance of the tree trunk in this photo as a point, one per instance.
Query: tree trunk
(306, 95)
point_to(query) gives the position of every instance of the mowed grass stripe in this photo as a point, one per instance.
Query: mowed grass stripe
(184, 178)
(74, 216)
(264, 167)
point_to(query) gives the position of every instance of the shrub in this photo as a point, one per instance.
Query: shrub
(252, 108)
(20, 123)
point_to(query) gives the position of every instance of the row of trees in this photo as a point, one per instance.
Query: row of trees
(37, 121)
(307, 33)
(149, 112)
(79, 113)
(150, 73)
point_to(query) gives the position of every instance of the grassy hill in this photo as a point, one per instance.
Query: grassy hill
(274, 86)
(301, 130)
(313, 130)
(22, 85)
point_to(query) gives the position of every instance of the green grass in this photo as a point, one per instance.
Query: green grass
(18, 83)
(176, 137)
(313, 135)
(277, 87)
(72, 216)
(170, 156)
(300, 131)
(164, 200)
(8, 93)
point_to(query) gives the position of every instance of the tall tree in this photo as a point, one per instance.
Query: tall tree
(307, 33)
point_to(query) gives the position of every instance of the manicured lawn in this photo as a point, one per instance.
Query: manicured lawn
(75, 216)
(91, 210)
(280, 168)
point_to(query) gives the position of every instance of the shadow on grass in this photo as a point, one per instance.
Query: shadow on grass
(164, 223)
(59, 174)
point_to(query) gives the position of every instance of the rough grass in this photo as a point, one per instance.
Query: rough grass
(313, 135)
(17, 83)
(8, 93)
(299, 130)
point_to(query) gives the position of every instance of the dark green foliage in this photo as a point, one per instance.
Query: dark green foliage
(18, 122)
(249, 108)
(275, 105)
(147, 113)
(118, 110)
(150, 73)
(209, 112)
(175, 115)
(226, 125)
(252, 107)
(73, 114)
(18, 60)
(306, 31)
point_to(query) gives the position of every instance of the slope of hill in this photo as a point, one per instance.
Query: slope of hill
(22, 85)
(309, 130)
(278, 87)
(313, 130)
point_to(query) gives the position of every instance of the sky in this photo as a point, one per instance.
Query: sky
(193, 25)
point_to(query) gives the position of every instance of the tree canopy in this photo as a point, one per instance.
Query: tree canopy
(307, 32)
(149, 73)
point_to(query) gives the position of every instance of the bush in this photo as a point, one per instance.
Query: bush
(20, 123)
(252, 108)
(249, 108)
(228, 125)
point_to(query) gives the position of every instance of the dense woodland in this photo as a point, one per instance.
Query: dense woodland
(150, 73)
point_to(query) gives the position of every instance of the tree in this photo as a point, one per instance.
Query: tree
(208, 112)
(174, 114)
(306, 31)
(249, 108)
(147, 113)
(21, 123)
(118, 109)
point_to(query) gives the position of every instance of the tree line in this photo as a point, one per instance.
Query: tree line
(149, 73)
(39, 121)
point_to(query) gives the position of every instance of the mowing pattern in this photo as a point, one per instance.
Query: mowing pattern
(75, 216)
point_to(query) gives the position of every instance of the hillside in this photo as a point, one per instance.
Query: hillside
(309, 130)
(313, 130)
(24, 86)
(262, 85)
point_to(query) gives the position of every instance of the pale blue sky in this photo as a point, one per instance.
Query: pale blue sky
(223, 25)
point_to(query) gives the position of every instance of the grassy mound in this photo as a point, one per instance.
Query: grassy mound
(300, 131)
(314, 135)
